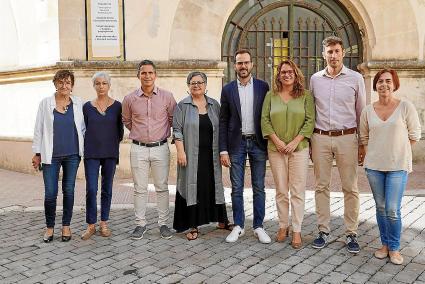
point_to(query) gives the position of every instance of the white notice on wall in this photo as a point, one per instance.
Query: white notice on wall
(105, 28)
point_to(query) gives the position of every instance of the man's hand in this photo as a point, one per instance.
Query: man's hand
(361, 154)
(36, 161)
(225, 160)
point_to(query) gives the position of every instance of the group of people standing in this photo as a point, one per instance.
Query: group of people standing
(287, 125)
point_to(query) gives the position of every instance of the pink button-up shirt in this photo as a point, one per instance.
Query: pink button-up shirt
(340, 100)
(149, 119)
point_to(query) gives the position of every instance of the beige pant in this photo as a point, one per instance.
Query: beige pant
(290, 175)
(157, 160)
(344, 148)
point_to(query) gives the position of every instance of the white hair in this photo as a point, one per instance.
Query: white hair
(101, 74)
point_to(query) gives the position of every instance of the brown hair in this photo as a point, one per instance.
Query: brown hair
(396, 80)
(332, 40)
(242, 51)
(64, 74)
(298, 90)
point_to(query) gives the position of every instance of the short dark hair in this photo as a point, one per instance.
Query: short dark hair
(243, 51)
(396, 80)
(145, 62)
(332, 40)
(64, 74)
(196, 73)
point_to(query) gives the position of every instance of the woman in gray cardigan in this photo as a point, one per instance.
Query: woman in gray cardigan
(200, 195)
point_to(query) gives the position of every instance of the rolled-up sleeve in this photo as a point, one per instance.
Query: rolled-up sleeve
(38, 130)
(361, 99)
(413, 124)
(178, 123)
(126, 113)
(310, 114)
(266, 123)
(364, 128)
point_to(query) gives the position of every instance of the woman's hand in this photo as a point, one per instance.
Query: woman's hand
(36, 161)
(181, 158)
(291, 146)
(280, 145)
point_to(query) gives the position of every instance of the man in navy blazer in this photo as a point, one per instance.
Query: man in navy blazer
(240, 135)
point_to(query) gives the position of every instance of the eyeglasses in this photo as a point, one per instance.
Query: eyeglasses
(240, 63)
(290, 73)
(196, 83)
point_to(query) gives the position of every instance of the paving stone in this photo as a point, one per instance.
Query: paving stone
(301, 269)
(194, 278)
(358, 277)
(217, 279)
(240, 278)
(310, 277)
(173, 278)
(381, 277)
(209, 259)
(334, 277)
(324, 268)
(287, 277)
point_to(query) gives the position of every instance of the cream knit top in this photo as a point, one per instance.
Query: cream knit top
(388, 145)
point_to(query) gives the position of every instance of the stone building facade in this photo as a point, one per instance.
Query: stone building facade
(42, 36)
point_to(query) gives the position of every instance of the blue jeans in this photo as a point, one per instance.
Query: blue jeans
(51, 178)
(91, 168)
(388, 189)
(257, 161)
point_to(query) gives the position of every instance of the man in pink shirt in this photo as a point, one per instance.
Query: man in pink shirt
(148, 113)
(340, 96)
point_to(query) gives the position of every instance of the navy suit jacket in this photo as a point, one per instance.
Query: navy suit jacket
(230, 131)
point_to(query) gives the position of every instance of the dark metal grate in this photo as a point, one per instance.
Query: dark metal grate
(274, 30)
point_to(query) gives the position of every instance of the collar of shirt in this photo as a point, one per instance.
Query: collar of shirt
(140, 92)
(189, 100)
(343, 71)
(240, 85)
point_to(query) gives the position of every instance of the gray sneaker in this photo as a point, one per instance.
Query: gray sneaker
(165, 232)
(138, 233)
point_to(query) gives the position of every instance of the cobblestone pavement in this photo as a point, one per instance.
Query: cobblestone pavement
(24, 258)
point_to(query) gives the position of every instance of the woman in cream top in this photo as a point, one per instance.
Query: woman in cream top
(388, 128)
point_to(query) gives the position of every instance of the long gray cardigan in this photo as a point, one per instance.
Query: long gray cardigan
(186, 129)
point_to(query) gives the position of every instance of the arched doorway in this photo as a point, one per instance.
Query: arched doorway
(274, 29)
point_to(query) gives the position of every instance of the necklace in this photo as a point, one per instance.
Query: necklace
(62, 106)
(100, 109)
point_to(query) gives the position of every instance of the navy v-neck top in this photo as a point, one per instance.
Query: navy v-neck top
(65, 137)
(103, 132)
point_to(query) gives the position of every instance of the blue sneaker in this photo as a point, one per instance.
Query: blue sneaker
(321, 240)
(352, 244)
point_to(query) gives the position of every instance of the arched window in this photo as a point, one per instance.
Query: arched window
(274, 30)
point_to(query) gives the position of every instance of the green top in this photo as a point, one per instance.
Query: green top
(287, 120)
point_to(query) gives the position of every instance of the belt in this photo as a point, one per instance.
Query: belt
(249, 136)
(336, 132)
(153, 144)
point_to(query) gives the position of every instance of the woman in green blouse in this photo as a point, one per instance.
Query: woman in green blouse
(287, 122)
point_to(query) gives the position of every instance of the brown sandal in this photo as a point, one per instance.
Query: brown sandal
(192, 234)
(282, 234)
(225, 226)
(297, 245)
(90, 231)
(104, 231)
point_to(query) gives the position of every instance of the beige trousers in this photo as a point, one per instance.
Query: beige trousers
(344, 149)
(157, 160)
(290, 176)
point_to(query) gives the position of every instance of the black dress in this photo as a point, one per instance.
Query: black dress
(205, 210)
